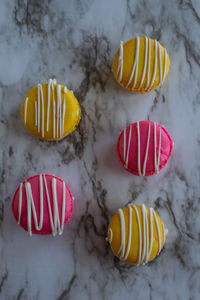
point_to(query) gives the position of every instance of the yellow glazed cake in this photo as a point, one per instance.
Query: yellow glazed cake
(50, 111)
(136, 234)
(141, 65)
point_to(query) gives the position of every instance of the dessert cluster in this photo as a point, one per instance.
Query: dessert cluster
(43, 204)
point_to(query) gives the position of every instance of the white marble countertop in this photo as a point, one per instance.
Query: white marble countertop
(75, 41)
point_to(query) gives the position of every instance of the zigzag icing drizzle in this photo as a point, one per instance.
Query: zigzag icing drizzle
(146, 67)
(156, 157)
(59, 110)
(56, 223)
(145, 233)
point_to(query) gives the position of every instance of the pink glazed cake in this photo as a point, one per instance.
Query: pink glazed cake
(144, 148)
(43, 204)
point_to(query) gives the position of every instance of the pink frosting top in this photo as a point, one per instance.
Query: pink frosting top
(43, 204)
(144, 148)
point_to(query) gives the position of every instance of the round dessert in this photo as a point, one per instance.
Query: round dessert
(141, 65)
(50, 111)
(136, 234)
(144, 148)
(43, 204)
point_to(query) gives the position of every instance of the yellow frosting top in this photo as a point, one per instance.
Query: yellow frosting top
(50, 111)
(136, 234)
(141, 64)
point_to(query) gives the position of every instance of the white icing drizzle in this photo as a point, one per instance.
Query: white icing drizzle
(63, 116)
(160, 63)
(54, 216)
(165, 65)
(145, 62)
(129, 234)
(129, 143)
(41, 202)
(38, 111)
(31, 207)
(42, 113)
(149, 65)
(55, 223)
(40, 97)
(120, 62)
(122, 222)
(35, 113)
(151, 235)
(54, 118)
(146, 152)
(138, 134)
(20, 203)
(65, 89)
(159, 149)
(156, 157)
(60, 116)
(146, 67)
(145, 233)
(48, 103)
(155, 66)
(158, 231)
(25, 110)
(58, 109)
(124, 144)
(135, 64)
(54, 112)
(63, 211)
(55, 204)
(109, 238)
(51, 84)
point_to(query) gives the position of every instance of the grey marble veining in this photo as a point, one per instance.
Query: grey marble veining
(75, 41)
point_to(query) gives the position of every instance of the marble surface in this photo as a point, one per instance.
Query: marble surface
(75, 41)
